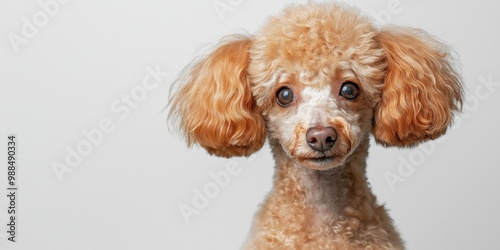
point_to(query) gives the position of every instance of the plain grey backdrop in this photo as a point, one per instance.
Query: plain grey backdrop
(84, 84)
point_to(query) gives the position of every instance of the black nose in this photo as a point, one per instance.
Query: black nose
(321, 139)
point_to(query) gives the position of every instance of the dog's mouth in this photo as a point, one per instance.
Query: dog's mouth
(319, 162)
(321, 159)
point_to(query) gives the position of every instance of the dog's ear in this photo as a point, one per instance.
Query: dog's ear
(421, 91)
(215, 107)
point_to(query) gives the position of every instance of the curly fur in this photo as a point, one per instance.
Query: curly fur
(215, 106)
(419, 67)
(408, 93)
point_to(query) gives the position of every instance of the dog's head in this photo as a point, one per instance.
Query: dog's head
(317, 79)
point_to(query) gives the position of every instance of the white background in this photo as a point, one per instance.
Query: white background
(125, 194)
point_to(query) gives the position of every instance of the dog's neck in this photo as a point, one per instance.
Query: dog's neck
(328, 194)
(327, 209)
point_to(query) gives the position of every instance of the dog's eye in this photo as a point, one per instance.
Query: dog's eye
(349, 90)
(284, 96)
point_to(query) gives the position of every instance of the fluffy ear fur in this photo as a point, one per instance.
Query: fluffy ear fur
(215, 105)
(421, 89)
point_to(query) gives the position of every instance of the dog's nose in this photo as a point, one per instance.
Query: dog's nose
(321, 139)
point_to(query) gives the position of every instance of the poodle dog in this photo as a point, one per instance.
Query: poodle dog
(316, 81)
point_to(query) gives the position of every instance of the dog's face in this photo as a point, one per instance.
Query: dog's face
(319, 123)
(316, 79)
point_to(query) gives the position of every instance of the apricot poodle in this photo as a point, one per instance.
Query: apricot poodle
(316, 81)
